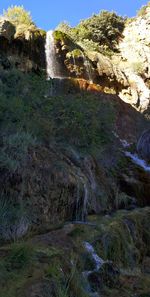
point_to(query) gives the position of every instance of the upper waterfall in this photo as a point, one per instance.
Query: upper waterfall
(50, 51)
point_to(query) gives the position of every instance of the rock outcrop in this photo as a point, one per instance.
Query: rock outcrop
(135, 55)
(23, 47)
(72, 183)
(125, 73)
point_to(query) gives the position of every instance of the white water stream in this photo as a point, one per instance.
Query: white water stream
(98, 263)
(138, 161)
(97, 260)
(50, 51)
(133, 156)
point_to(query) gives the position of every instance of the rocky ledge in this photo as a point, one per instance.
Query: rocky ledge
(22, 47)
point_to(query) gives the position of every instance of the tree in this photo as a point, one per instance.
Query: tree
(104, 28)
(18, 15)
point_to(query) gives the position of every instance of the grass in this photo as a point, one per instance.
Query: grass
(22, 260)
(29, 112)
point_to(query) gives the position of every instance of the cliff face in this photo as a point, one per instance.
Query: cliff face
(135, 53)
(22, 47)
(115, 123)
(125, 73)
(74, 166)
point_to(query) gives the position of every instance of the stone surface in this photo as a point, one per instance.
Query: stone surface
(135, 55)
(23, 47)
(143, 145)
(7, 29)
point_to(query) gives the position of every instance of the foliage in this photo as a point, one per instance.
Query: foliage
(67, 284)
(28, 111)
(142, 11)
(104, 28)
(20, 256)
(14, 150)
(18, 15)
(124, 238)
(64, 27)
(89, 45)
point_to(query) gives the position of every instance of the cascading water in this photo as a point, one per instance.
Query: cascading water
(98, 264)
(81, 210)
(97, 260)
(50, 51)
(133, 156)
(138, 161)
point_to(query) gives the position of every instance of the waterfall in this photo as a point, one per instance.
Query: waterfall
(98, 261)
(138, 161)
(81, 210)
(98, 264)
(50, 51)
(85, 201)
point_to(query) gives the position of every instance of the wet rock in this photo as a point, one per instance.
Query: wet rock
(143, 145)
(107, 275)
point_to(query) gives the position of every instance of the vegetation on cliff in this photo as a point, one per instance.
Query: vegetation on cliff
(17, 15)
(143, 10)
(61, 160)
(103, 29)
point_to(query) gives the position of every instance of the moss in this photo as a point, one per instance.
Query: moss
(65, 39)
(21, 261)
(77, 53)
(59, 35)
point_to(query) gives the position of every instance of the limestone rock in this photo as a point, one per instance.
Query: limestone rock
(135, 55)
(7, 29)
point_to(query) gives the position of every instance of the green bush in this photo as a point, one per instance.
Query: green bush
(18, 15)
(104, 28)
(14, 150)
(28, 112)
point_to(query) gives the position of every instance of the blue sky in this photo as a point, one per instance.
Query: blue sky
(47, 14)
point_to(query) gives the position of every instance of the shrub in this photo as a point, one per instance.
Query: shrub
(142, 11)
(64, 27)
(18, 15)
(104, 28)
(14, 150)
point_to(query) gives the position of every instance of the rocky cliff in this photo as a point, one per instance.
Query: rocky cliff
(74, 166)
(22, 47)
(125, 73)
